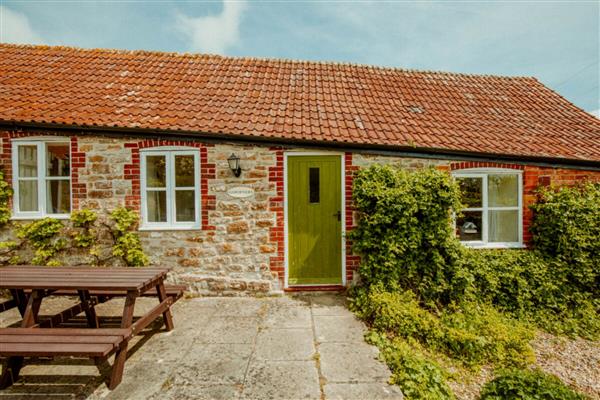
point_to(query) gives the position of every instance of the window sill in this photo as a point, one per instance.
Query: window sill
(169, 228)
(36, 217)
(495, 245)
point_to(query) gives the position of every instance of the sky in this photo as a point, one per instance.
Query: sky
(558, 42)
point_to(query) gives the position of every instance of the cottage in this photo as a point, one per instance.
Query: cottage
(241, 168)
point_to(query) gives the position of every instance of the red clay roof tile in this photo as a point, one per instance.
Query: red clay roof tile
(282, 99)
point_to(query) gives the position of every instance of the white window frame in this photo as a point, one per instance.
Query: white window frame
(41, 177)
(169, 153)
(483, 174)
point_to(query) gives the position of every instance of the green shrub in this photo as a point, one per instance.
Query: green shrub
(405, 235)
(527, 385)
(417, 375)
(566, 227)
(472, 334)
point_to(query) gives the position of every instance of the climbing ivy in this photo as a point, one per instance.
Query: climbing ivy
(104, 239)
(5, 194)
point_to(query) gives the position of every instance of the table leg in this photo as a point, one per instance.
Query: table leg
(88, 306)
(162, 296)
(10, 372)
(121, 354)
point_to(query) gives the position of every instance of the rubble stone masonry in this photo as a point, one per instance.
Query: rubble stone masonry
(239, 249)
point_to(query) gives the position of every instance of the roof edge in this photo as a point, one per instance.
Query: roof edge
(422, 152)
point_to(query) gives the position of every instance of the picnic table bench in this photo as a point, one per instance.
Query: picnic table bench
(29, 285)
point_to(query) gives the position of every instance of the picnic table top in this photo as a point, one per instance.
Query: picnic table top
(82, 278)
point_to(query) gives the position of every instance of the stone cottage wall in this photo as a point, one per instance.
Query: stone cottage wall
(240, 246)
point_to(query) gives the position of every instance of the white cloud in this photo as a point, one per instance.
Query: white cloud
(595, 113)
(213, 33)
(15, 28)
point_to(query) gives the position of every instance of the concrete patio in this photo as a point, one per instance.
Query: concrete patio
(295, 347)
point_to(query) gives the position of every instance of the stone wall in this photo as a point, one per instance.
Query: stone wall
(239, 248)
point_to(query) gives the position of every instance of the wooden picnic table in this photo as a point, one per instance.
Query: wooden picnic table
(29, 285)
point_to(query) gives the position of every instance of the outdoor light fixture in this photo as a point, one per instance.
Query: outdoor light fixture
(234, 164)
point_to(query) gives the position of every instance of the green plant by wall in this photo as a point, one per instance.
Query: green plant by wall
(566, 227)
(127, 242)
(44, 237)
(49, 237)
(405, 233)
(5, 194)
(528, 385)
(84, 234)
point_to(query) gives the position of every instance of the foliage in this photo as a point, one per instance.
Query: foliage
(417, 375)
(49, 236)
(472, 334)
(84, 235)
(529, 286)
(5, 194)
(405, 235)
(528, 384)
(43, 235)
(127, 243)
(426, 296)
(566, 227)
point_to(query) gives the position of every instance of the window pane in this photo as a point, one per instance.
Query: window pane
(156, 171)
(57, 159)
(184, 171)
(27, 161)
(58, 197)
(469, 226)
(503, 226)
(157, 206)
(28, 196)
(503, 190)
(185, 206)
(471, 189)
(314, 185)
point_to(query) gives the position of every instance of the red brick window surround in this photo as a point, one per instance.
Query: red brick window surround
(77, 160)
(207, 171)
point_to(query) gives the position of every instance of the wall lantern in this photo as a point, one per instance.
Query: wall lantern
(234, 164)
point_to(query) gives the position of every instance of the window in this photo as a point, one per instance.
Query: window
(492, 216)
(170, 189)
(41, 178)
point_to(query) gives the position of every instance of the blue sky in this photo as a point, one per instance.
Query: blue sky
(557, 42)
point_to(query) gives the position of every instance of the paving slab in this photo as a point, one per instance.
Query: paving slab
(285, 344)
(288, 316)
(229, 330)
(282, 380)
(212, 363)
(304, 346)
(362, 391)
(339, 328)
(351, 362)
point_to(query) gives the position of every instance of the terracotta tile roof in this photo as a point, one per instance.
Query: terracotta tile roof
(282, 99)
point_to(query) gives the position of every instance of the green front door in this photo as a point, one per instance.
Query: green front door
(314, 201)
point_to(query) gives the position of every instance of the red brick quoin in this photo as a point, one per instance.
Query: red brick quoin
(207, 171)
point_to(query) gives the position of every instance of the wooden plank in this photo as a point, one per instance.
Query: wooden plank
(162, 296)
(88, 307)
(151, 315)
(56, 349)
(59, 339)
(116, 374)
(66, 331)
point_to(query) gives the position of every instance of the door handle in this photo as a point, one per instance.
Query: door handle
(338, 215)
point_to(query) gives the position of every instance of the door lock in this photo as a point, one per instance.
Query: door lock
(338, 215)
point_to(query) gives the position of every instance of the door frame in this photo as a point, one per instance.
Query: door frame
(342, 157)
